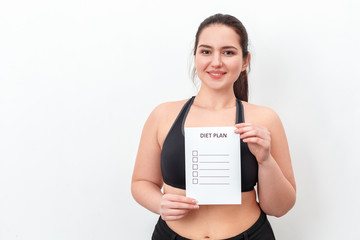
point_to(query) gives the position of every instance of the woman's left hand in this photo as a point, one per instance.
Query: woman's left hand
(258, 139)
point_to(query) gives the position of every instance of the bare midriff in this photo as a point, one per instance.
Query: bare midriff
(216, 221)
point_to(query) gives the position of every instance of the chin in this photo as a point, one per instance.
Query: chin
(219, 85)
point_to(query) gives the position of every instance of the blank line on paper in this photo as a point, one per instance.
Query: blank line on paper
(213, 162)
(214, 169)
(216, 176)
(214, 155)
(214, 183)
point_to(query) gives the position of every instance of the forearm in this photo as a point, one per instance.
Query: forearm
(276, 194)
(147, 194)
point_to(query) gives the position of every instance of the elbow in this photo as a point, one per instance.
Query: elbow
(282, 211)
(280, 214)
(280, 208)
(134, 190)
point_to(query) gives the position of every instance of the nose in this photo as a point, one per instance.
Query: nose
(216, 60)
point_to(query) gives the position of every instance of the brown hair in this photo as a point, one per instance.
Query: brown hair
(241, 84)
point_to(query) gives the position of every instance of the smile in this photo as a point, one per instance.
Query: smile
(216, 74)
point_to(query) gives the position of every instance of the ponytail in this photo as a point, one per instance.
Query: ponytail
(241, 89)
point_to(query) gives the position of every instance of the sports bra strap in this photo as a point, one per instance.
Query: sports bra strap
(239, 111)
(185, 112)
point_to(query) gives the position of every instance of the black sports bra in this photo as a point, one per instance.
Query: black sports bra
(173, 153)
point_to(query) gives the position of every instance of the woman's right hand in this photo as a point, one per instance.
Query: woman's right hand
(174, 207)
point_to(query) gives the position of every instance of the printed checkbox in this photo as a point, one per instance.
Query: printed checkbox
(195, 167)
(195, 174)
(195, 153)
(195, 181)
(195, 159)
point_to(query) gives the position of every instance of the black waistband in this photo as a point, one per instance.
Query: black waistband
(261, 220)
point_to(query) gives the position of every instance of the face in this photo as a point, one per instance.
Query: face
(218, 57)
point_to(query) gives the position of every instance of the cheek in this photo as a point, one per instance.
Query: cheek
(200, 63)
(235, 67)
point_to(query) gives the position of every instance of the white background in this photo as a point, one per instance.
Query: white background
(78, 79)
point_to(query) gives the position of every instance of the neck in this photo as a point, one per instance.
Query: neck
(215, 99)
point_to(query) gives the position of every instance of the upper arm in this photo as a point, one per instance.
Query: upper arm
(147, 165)
(279, 146)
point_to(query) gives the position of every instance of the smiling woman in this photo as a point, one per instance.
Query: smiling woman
(219, 56)
(221, 60)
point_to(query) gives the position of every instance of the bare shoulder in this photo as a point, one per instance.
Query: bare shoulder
(261, 115)
(163, 117)
(166, 108)
(162, 113)
(167, 111)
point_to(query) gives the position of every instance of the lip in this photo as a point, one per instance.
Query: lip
(216, 74)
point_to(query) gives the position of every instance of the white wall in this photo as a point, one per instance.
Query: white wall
(79, 78)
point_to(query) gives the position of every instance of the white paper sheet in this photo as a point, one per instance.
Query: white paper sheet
(212, 163)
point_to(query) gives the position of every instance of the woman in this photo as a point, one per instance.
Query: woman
(221, 59)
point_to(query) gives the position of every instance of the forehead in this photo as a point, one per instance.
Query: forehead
(219, 35)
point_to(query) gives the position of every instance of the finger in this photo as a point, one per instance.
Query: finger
(247, 124)
(180, 205)
(249, 134)
(176, 212)
(255, 140)
(172, 213)
(263, 134)
(172, 218)
(243, 129)
(179, 198)
(253, 131)
(249, 128)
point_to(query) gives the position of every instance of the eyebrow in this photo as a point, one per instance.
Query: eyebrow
(224, 47)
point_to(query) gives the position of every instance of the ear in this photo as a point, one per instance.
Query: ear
(246, 62)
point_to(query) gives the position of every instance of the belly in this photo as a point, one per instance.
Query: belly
(216, 221)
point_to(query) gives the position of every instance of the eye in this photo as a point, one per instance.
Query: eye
(205, 52)
(229, 53)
